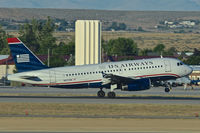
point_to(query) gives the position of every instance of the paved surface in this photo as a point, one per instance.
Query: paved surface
(82, 132)
(152, 96)
(152, 91)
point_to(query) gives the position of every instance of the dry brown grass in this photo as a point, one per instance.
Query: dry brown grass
(99, 125)
(182, 42)
(99, 110)
(149, 40)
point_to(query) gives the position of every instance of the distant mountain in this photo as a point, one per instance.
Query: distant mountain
(141, 5)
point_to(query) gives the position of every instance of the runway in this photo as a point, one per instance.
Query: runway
(88, 96)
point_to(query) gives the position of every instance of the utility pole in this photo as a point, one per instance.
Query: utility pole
(6, 73)
(48, 66)
(48, 58)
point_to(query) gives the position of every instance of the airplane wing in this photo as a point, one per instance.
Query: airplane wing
(113, 79)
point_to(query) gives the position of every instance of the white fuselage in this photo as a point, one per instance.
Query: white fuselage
(154, 68)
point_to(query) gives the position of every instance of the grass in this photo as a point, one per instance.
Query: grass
(98, 110)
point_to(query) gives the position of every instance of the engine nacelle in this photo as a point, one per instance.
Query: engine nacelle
(137, 85)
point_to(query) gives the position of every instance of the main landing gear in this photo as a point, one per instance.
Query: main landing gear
(101, 93)
(168, 87)
(111, 94)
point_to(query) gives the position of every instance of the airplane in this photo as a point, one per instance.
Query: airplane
(132, 75)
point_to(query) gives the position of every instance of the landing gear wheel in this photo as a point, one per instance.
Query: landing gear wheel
(111, 95)
(101, 93)
(167, 89)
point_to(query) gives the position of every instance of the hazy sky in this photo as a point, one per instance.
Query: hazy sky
(163, 5)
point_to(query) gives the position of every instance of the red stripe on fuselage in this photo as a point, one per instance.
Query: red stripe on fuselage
(166, 74)
(67, 83)
(13, 40)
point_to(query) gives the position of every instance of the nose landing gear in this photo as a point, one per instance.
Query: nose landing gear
(167, 89)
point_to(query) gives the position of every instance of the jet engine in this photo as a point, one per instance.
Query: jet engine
(137, 85)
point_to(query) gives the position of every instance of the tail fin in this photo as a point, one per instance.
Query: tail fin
(25, 59)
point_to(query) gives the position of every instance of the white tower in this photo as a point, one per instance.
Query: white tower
(87, 42)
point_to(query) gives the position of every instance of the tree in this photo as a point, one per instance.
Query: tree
(46, 36)
(121, 47)
(196, 52)
(56, 60)
(171, 51)
(122, 26)
(28, 34)
(63, 48)
(140, 29)
(3, 42)
(159, 48)
(193, 60)
(38, 36)
(144, 52)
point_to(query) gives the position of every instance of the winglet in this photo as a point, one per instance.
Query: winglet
(13, 40)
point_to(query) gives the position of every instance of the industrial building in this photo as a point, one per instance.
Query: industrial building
(87, 42)
(195, 75)
(7, 66)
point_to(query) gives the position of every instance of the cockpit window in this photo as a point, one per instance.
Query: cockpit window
(179, 63)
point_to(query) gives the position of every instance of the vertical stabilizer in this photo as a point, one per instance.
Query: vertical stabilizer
(25, 59)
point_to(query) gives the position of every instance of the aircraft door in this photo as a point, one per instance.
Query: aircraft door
(167, 66)
(52, 76)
